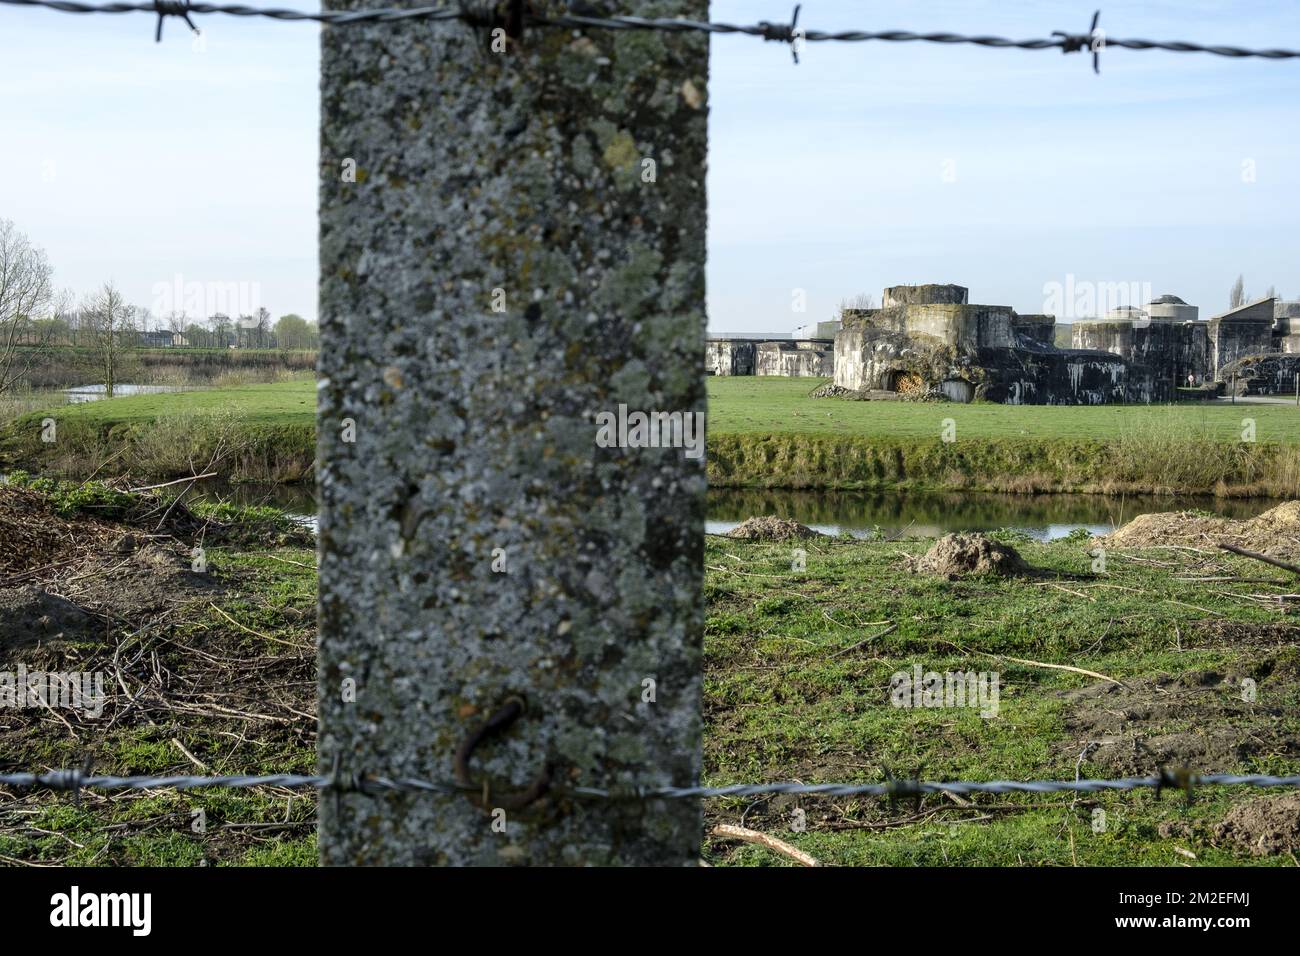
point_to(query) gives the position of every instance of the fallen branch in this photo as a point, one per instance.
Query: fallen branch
(853, 647)
(1294, 569)
(1057, 667)
(1021, 660)
(193, 759)
(265, 637)
(168, 484)
(745, 835)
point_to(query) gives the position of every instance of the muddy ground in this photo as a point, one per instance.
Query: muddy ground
(1199, 719)
(127, 593)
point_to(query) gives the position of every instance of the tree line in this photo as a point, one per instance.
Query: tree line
(35, 317)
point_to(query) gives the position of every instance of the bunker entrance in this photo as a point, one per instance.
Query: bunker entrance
(904, 382)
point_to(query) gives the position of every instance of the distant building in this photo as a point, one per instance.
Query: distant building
(929, 340)
(1166, 337)
(162, 339)
(809, 352)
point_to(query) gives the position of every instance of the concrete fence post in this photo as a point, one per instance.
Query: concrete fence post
(512, 232)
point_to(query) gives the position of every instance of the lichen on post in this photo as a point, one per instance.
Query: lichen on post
(512, 246)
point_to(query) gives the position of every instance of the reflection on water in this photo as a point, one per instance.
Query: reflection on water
(298, 501)
(864, 514)
(1045, 517)
(93, 393)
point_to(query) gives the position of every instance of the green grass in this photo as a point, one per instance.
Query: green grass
(270, 592)
(786, 699)
(752, 405)
(768, 432)
(261, 432)
(796, 671)
(280, 403)
(763, 432)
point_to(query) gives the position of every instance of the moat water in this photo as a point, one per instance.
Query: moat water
(872, 514)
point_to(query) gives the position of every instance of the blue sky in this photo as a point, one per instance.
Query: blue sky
(866, 165)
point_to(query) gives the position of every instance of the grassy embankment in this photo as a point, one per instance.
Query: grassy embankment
(767, 432)
(763, 432)
(797, 668)
(246, 432)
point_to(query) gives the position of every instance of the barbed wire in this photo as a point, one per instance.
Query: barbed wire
(77, 780)
(1094, 40)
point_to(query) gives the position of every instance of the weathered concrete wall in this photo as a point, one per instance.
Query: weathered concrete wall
(932, 293)
(1263, 374)
(1169, 350)
(796, 359)
(1231, 340)
(852, 364)
(1061, 377)
(1286, 326)
(475, 542)
(956, 325)
(1034, 329)
(866, 354)
(730, 357)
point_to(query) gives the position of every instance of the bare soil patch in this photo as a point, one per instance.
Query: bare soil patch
(35, 537)
(1263, 827)
(1197, 719)
(70, 578)
(135, 585)
(31, 616)
(1222, 631)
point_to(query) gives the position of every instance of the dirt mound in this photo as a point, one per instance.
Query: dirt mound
(29, 615)
(1197, 720)
(957, 555)
(132, 586)
(1276, 532)
(1263, 827)
(771, 528)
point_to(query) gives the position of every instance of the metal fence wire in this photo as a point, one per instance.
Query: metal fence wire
(1181, 780)
(518, 14)
(1094, 40)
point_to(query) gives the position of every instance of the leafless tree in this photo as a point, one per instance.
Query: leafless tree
(112, 332)
(262, 323)
(1238, 296)
(863, 300)
(26, 293)
(176, 322)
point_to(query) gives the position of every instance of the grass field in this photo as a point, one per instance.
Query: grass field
(797, 670)
(768, 432)
(280, 403)
(797, 675)
(750, 405)
(763, 432)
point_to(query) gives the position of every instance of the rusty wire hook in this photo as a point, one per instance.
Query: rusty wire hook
(503, 717)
